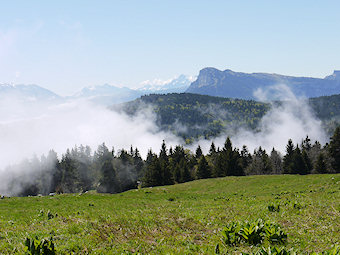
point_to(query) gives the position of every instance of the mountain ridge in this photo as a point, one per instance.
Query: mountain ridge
(214, 82)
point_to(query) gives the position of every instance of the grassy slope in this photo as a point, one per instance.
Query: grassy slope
(183, 219)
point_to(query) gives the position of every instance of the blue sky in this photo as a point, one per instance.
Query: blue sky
(67, 45)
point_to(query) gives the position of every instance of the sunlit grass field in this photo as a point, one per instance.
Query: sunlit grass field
(179, 219)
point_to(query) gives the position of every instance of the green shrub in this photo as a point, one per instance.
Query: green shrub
(230, 234)
(39, 247)
(274, 234)
(253, 233)
(274, 207)
(297, 205)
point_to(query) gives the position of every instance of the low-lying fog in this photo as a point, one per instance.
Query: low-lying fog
(33, 128)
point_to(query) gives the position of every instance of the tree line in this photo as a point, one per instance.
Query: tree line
(104, 170)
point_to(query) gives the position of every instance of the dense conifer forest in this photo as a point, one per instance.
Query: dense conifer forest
(107, 170)
(209, 116)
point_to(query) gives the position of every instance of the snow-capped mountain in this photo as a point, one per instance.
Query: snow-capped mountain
(107, 94)
(101, 94)
(28, 93)
(176, 85)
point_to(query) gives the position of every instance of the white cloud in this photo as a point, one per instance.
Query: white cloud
(293, 119)
(34, 128)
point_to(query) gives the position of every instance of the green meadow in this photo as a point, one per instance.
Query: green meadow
(179, 219)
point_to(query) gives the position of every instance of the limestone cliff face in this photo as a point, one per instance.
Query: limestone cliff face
(227, 83)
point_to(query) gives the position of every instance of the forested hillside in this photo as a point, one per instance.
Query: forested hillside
(327, 109)
(193, 116)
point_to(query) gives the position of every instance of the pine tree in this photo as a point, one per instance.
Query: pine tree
(306, 144)
(276, 161)
(219, 166)
(261, 163)
(320, 164)
(177, 158)
(108, 181)
(199, 153)
(70, 175)
(185, 173)
(166, 173)
(163, 153)
(55, 172)
(245, 157)
(334, 149)
(212, 149)
(153, 174)
(299, 165)
(164, 164)
(203, 169)
(138, 163)
(288, 165)
(307, 161)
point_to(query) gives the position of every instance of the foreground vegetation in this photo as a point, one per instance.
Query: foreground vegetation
(187, 218)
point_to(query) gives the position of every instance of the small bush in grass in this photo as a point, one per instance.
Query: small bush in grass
(274, 207)
(230, 234)
(253, 233)
(39, 247)
(297, 205)
(274, 234)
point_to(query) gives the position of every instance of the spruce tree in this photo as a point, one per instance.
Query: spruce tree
(306, 144)
(164, 165)
(245, 157)
(185, 173)
(299, 165)
(334, 149)
(276, 161)
(108, 181)
(138, 163)
(203, 169)
(153, 174)
(198, 153)
(288, 165)
(219, 166)
(307, 161)
(70, 175)
(212, 149)
(320, 164)
(261, 163)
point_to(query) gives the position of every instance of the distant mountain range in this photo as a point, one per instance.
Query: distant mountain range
(101, 94)
(227, 83)
(28, 93)
(177, 85)
(210, 81)
(108, 94)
